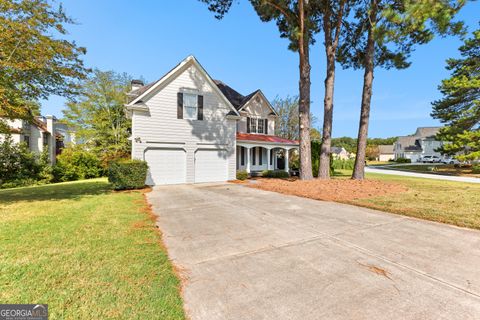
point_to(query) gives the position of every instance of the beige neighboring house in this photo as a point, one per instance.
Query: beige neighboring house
(340, 153)
(45, 132)
(385, 152)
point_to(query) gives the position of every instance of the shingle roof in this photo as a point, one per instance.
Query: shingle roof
(140, 91)
(336, 150)
(425, 132)
(385, 149)
(236, 99)
(263, 138)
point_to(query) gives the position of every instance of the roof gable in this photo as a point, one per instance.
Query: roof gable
(238, 100)
(385, 148)
(150, 88)
(254, 95)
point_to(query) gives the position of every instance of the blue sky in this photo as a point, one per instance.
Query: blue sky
(147, 38)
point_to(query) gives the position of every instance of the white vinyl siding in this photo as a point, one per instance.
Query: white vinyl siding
(160, 126)
(255, 110)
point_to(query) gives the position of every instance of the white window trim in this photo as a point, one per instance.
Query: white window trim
(262, 121)
(185, 113)
(254, 121)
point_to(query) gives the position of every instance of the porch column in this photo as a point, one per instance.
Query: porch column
(286, 160)
(269, 167)
(248, 159)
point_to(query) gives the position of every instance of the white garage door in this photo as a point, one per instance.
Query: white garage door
(211, 166)
(166, 166)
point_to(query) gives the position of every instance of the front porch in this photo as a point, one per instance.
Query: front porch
(255, 155)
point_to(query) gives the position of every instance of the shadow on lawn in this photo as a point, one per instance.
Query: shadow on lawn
(59, 191)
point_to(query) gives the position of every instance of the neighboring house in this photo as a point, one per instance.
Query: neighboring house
(340, 153)
(422, 143)
(190, 128)
(44, 132)
(385, 152)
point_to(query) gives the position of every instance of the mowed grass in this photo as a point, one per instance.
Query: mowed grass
(448, 169)
(450, 202)
(86, 251)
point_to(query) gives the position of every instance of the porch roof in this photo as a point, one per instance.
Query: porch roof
(263, 138)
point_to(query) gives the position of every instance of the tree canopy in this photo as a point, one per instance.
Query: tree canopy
(297, 20)
(383, 33)
(98, 114)
(459, 108)
(35, 58)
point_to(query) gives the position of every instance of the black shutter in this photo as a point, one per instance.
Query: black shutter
(200, 107)
(248, 125)
(266, 126)
(254, 154)
(271, 156)
(260, 156)
(180, 105)
(242, 155)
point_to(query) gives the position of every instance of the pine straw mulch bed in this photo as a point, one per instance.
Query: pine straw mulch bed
(339, 190)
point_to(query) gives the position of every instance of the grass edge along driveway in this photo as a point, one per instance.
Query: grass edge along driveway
(451, 202)
(86, 251)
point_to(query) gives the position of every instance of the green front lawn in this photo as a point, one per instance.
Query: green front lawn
(450, 202)
(88, 252)
(434, 168)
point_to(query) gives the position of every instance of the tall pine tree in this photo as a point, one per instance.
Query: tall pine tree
(459, 108)
(297, 20)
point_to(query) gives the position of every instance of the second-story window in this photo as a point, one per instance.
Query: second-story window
(190, 107)
(260, 125)
(253, 125)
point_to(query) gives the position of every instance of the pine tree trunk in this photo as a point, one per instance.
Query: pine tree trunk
(324, 168)
(359, 169)
(304, 103)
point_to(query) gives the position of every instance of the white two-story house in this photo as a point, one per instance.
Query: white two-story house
(191, 128)
(43, 133)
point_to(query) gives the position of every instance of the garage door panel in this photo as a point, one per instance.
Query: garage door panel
(211, 166)
(166, 166)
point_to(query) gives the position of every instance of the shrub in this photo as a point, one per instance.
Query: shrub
(242, 175)
(76, 163)
(45, 174)
(316, 146)
(476, 168)
(403, 160)
(127, 174)
(18, 165)
(275, 174)
(343, 164)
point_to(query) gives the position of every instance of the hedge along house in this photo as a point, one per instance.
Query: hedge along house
(190, 128)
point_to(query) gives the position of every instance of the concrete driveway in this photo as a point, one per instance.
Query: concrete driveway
(252, 254)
